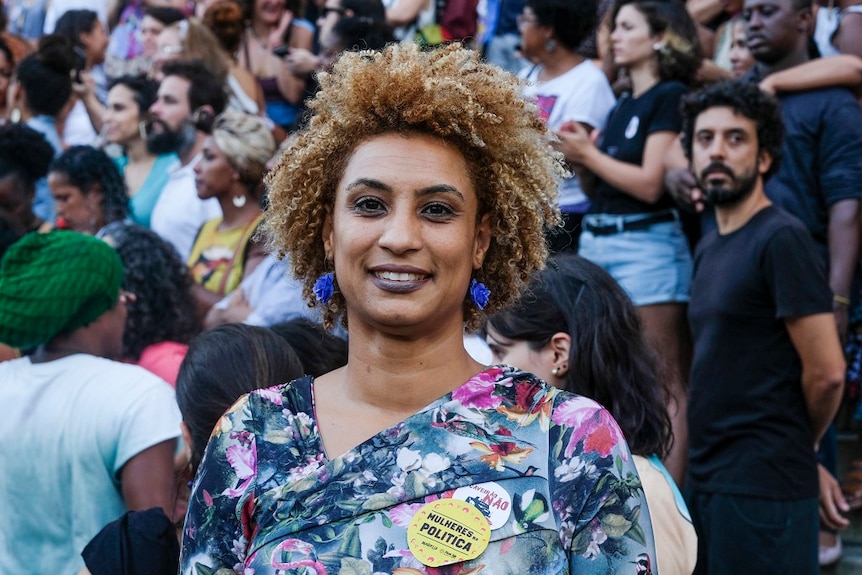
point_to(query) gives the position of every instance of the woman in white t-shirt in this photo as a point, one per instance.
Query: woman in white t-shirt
(84, 438)
(566, 86)
(87, 35)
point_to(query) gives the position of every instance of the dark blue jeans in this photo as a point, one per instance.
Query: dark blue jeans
(739, 534)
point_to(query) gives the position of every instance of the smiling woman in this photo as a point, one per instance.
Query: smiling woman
(422, 182)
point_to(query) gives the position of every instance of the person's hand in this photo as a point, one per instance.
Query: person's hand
(276, 37)
(832, 502)
(237, 311)
(237, 308)
(682, 186)
(767, 85)
(576, 142)
(301, 62)
(87, 85)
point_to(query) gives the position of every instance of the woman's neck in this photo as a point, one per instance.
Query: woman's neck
(261, 31)
(557, 63)
(233, 216)
(58, 348)
(643, 78)
(137, 151)
(403, 374)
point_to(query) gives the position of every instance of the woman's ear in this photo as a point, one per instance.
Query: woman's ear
(95, 197)
(482, 241)
(326, 231)
(559, 347)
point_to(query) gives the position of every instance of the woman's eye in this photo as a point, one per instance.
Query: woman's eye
(369, 205)
(438, 210)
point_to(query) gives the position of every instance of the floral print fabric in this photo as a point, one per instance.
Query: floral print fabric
(267, 500)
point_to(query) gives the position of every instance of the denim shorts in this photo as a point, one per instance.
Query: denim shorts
(653, 265)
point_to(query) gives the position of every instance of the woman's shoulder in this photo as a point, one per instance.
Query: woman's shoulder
(669, 88)
(294, 396)
(509, 385)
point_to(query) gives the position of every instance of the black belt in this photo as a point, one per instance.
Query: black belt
(641, 224)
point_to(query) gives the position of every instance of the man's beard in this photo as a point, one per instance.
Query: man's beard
(167, 141)
(727, 194)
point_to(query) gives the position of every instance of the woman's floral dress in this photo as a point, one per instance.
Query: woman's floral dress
(561, 485)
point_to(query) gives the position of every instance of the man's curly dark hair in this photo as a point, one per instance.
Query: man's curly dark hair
(163, 309)
(746, 99)
(85, 167)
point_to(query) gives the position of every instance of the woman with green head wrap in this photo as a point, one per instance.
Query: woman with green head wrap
(84, 438)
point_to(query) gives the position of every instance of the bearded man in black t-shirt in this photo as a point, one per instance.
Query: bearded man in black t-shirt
(768, 368)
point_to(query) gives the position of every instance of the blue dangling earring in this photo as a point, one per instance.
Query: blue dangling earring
(479, 293)
(324, 288)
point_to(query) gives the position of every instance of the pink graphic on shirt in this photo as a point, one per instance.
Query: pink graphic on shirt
(546, 106)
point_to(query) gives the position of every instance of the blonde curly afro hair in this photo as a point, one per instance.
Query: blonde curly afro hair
(446, 93)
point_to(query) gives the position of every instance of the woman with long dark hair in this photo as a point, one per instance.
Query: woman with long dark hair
(577, 329)
(161, 320)
(633, 228)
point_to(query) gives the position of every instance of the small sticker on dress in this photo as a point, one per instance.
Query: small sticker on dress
(447, 531)
(490, 499)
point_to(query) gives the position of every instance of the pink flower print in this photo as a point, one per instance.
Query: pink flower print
(572, 411)
(478, 391)
(593, 424)
(402, 515)
(304, 553)
(243, 460)
(271, 394)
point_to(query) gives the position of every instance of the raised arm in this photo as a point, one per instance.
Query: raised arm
(644, 182)
(843, 70)
(403, 12)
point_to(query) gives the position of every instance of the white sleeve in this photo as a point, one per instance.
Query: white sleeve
(151, 417)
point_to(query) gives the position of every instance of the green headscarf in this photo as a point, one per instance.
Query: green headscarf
(54, 283)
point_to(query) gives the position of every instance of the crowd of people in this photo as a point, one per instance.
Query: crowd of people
(428, 286)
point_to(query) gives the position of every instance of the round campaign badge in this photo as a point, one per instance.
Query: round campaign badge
(490, 499)
(447, 531)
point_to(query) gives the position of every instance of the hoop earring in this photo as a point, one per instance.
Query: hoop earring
(324, 287)
(238, 201)
(479, 294)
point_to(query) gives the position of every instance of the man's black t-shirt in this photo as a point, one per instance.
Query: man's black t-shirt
(629, 125)
(749, 432)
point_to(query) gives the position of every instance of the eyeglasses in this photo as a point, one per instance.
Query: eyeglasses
(328, 9)
(523, 20)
